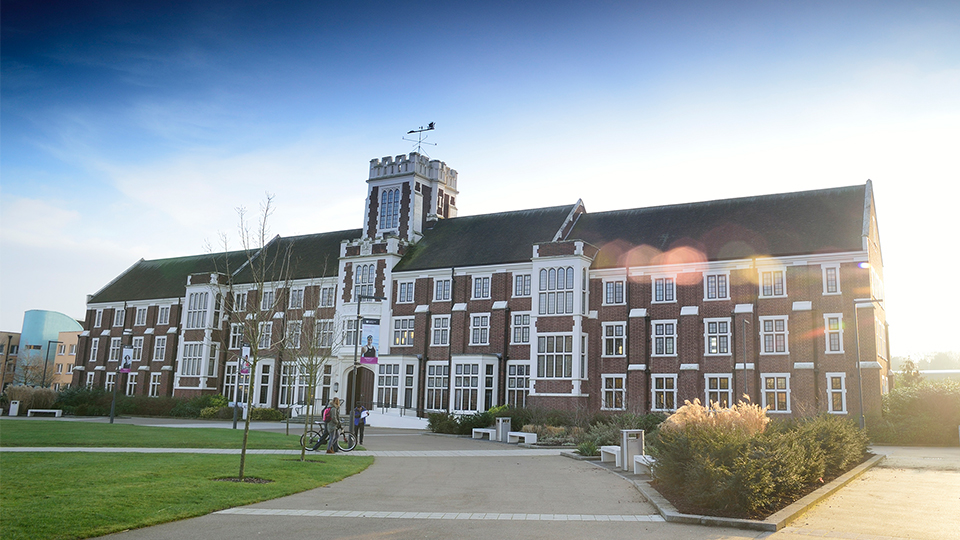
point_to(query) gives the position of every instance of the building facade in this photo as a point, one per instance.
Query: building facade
(778, 297)
(9, 348)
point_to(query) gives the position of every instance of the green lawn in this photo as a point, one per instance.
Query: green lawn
(87, 434)
(80, 495)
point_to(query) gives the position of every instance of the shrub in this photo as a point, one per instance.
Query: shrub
(588, 448)
(263, 414)
(466, 423)
(31, 397)
(442, 422)
(925, 413)
(82, 401)
(606, 430)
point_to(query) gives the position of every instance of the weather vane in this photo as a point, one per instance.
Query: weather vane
(421, 138)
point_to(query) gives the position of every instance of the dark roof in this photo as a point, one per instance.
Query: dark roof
(164, 278)
(820, 221)
(312, 255)
(500, 238)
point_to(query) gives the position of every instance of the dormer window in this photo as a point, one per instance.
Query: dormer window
(390, 209)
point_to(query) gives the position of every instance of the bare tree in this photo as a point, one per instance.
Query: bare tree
(30, 369)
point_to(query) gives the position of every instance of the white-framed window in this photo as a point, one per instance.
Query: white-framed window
(481, 288)
(137, 348)
(614, 393)
(390, 209)
(119, 316)
(94, 349)
(141, 317)
(296, 298)
(518, 384)
(326, 297)
(776, 392)
(388, 385)
(240, 302)
(556, 290)
(350, 332)
(584, 340)
(197, 310)
(403, 331)
(831, 279)
(267, 299)
(131, 383)
(364, 279)
(555, 356)
(718, 389)
(664, 290)
(466, 386)
(438, 383)
(236, 335)
(70, 369)
(163, 315)
(441, 290)
(294, 332)
(324, 333)
(159, 348)
(480, 329)
(154, 390)
(266, 334)
(59, 369)
(715, 287)
(773, 335)
(521, 285)
(111, 381)
(614, 336)
(212, 358)
(612, 292)
(115, 347)
(192, 359)
(773, 283)
(405, 292)
(98, 320)
(716, 336)
(230, 379)
(90, 376)
(441, 330)
(837, 392)
(664, 392)
(664, 338)
(73, 349)
(833, 332)
(61, 349)
(521, 329)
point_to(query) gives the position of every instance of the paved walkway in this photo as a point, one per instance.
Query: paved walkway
(424, 486)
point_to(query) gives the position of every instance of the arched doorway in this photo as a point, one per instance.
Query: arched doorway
(366, 388)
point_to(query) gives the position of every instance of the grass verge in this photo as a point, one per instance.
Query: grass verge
(41, 433)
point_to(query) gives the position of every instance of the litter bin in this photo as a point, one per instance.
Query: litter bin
(503, 427)
(14, 408)
(631, 443)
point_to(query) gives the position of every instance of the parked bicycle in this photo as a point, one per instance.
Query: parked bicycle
(313, 440)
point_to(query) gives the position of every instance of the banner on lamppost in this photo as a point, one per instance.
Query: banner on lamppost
(126, 360)
(244, 360)
(369, 341)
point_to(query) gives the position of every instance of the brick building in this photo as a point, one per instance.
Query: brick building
(556, 307)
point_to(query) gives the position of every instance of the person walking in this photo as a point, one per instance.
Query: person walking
(332, 424)
(359, 422)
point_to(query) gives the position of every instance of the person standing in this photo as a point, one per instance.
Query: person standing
(332, 424)
(359, 422)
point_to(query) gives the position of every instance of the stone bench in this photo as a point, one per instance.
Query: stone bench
(515, 436)
(479, 433)
(55, 412)
(642, 464)
(610, 453)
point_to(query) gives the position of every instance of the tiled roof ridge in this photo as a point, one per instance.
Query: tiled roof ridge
(752, 198)
(514, 212)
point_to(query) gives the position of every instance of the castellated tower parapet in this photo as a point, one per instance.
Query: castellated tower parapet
(413, 163)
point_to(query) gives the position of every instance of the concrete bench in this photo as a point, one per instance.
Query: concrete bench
(610, 453)
(55, 412)
(478, 433)
(642, 464)
(515, 436)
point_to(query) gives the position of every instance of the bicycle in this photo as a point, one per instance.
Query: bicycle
(313, 440)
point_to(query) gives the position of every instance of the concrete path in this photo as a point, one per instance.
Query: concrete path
(427, 486)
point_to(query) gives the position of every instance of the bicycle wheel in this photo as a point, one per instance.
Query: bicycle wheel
(310, 439)
(347, 441)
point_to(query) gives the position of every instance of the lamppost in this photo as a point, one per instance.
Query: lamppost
(356, 353)
(46, 358)
(857, 302)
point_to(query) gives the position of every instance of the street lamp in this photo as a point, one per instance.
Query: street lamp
(356, 351)
(857, 302)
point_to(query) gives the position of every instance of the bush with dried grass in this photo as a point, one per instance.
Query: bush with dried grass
(744, 417)
(31, 397)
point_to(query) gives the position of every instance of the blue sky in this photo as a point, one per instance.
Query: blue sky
(134, 129)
